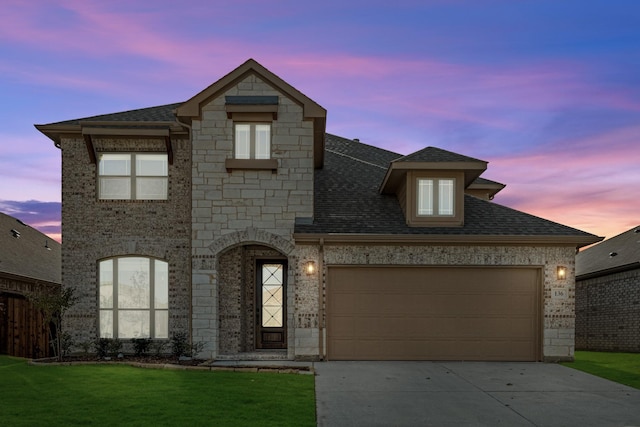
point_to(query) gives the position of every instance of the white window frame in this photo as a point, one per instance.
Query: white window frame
(248, 146)
(112, 309)
(133, 175)
(435, 197)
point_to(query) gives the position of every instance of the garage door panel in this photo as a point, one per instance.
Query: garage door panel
(433, 313)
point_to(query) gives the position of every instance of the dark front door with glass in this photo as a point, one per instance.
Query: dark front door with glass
(271, 282)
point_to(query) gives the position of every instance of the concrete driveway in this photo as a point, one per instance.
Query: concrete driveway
(469, 394)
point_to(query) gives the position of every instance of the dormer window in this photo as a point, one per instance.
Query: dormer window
(430, 186)
(436, 196)
(433, 199)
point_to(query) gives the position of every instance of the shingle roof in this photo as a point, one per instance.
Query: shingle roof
(23, 252)
(161, 113)
(615, 254)
(347, 201)
(434, 154)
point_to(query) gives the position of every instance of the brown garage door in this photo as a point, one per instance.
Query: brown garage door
(433, 313)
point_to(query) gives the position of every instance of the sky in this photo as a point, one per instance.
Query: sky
(546, 91)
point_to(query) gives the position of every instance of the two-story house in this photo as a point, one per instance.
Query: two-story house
(235, 217)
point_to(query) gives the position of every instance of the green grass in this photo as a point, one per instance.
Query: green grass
(104, 395)
(623, 368)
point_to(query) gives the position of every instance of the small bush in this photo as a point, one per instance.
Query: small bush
(66, 342)
(85, 346)
(114, 347)
(141, 346)
(108, 347)
(158, 347)
(102, 347)
(180, 344)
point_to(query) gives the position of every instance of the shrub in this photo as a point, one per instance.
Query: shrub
(158, 347)
(102, 347)
(180, 344)
(85, 346)
(66, 342)
(141, 346)
(114, 347)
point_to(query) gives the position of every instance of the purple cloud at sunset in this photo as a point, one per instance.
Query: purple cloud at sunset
(547, 92)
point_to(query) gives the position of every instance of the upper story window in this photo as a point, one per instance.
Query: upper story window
(436, 197)
(252, 140)
(129, 176)
(134, 298)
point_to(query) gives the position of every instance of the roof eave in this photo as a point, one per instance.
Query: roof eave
(571, 241)
(607, 271)
(472, 170)
(55, 132)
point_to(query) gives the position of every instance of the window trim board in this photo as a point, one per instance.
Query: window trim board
(436, 220)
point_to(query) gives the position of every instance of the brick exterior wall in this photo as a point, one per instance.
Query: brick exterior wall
(608, 312)
(95, 229)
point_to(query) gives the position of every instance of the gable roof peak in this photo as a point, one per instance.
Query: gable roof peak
(192, 107)
(434, 154)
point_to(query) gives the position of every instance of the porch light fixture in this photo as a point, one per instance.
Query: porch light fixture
(310, 268)
(561, 272)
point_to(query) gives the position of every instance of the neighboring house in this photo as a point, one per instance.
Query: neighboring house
(29, 264)
(235, 217)
(608, 294)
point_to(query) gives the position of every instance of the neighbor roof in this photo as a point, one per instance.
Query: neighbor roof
(347, 202)
(27, 253)
(618, 253)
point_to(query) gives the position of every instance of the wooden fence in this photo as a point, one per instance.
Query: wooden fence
(23, 333)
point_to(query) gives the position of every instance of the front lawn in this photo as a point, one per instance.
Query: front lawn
(124, 395)
(623, 368)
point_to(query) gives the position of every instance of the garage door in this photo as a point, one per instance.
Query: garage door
(433, 313)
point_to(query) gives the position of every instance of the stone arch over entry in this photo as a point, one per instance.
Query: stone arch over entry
(249, 236)
(238, 260)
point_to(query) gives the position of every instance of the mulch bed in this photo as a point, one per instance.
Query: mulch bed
(126, 359)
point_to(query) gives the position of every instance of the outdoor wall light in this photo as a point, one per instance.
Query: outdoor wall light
(561, 272)
(310, 268)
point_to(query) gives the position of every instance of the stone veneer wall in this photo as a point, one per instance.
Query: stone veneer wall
(558, 320)
(243, 207)
(237, 296)
(608, 312)
(95, 229)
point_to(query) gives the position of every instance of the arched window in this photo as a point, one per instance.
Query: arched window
(134, 298)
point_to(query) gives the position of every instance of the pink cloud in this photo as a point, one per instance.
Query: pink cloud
(588, 183)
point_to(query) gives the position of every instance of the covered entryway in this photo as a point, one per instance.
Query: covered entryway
(252, 297)
(433, 313)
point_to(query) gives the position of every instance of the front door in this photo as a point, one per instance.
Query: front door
(271, 316)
